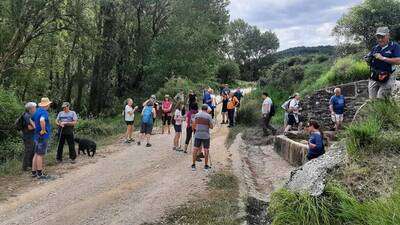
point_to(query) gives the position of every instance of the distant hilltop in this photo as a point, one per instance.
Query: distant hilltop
(327, 50)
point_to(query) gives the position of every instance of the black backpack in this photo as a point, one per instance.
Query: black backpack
(20, 123)
(272, 110)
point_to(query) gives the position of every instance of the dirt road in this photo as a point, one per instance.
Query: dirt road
(131, 186)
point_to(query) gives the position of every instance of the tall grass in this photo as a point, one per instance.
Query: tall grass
(334, 207)
(377, 132)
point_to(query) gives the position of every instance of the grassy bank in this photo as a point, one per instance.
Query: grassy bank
(364, 192)
(220, 208)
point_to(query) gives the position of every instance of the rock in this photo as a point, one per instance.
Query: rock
(316, 105)
(311, 176)
(293, 152)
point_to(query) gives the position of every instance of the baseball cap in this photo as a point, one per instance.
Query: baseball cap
(65, 104)
(382, 31)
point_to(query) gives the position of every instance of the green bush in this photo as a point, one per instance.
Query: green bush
(99, 128)
(249, 112)
(11, 149)
(362, 135)
(377, 132)
(10, 110)
(228, 72)
(345, 70)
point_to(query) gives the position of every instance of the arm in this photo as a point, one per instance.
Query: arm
(42, 126)
(31, 125)
(154, 113)
(393, 61)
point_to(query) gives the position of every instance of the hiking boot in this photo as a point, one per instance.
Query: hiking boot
(193, 167)
(207, 168)
(148, 145)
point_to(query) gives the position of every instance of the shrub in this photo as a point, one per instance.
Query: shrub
(345, 70)
(102, 127)
(228, 72)
(361, 135)
(10, 149)
(10, 109)
(249, 112)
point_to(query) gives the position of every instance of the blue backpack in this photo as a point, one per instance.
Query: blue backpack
(147, 115)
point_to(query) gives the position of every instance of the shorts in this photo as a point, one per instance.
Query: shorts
(146, 128)
(129, 122)
(202, 142)
(292, 120)
(41, 147)
(224, 110)
(166, 119)
(337, 118)
(178, 128)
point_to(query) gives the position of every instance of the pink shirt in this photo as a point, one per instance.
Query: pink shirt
(166, 106)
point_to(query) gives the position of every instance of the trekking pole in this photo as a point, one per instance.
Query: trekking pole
(59, 137)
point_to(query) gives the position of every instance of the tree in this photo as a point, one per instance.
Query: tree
(250, 48)
(228, 72)
(361, 22)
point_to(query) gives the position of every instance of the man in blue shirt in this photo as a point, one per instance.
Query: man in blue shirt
(337, 104)
(41, 137)
(382, 59)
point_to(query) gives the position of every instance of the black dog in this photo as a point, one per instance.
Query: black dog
(85, 144)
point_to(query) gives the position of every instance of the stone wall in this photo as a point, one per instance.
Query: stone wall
(293, 152)
(316, 106)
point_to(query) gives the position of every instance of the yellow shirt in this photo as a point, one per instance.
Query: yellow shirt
(232, 102)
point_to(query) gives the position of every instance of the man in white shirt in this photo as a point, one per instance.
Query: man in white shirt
(294, 113)
(266, 111)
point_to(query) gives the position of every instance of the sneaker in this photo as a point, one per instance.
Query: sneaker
(193, 167)
(174, 149)
(207, 168)
(185, 151)
(148, 145)
(73, 161)
(34, 175)
(138, 143)
(43, 177)
(131, 140)
(127, 141)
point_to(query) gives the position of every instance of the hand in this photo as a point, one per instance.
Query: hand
(379, 56)
(62, 124)
(42, 132)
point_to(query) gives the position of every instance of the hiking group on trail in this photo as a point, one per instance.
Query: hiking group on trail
(183, 112)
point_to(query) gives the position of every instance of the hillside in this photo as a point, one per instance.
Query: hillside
(302, 51)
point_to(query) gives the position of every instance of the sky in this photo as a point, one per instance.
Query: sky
(296, 22)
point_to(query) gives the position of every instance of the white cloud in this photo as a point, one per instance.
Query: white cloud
(296, 22)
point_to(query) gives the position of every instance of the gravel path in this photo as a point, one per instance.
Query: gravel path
(134, 185)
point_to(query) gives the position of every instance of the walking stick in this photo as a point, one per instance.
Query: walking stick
(59, 137)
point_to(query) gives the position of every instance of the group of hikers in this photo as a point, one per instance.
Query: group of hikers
(382, 59)
(36, 127)
(184, 110)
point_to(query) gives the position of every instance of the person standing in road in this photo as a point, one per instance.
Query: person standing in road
(232, 103)
(41, 137)
(202, 123)
(178, 127)
(28, 131)
(66, 121)
(166, 107)
(189, 130)
(224, 110)
(146, 127)
(129, 117)
(337, 104)
(267, 114)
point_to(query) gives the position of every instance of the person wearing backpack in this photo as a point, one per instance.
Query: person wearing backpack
(148, 114)
(268, 111)
(285, 107)
(294, 114)
(26, 125)
(232, 103)
(177, 122)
